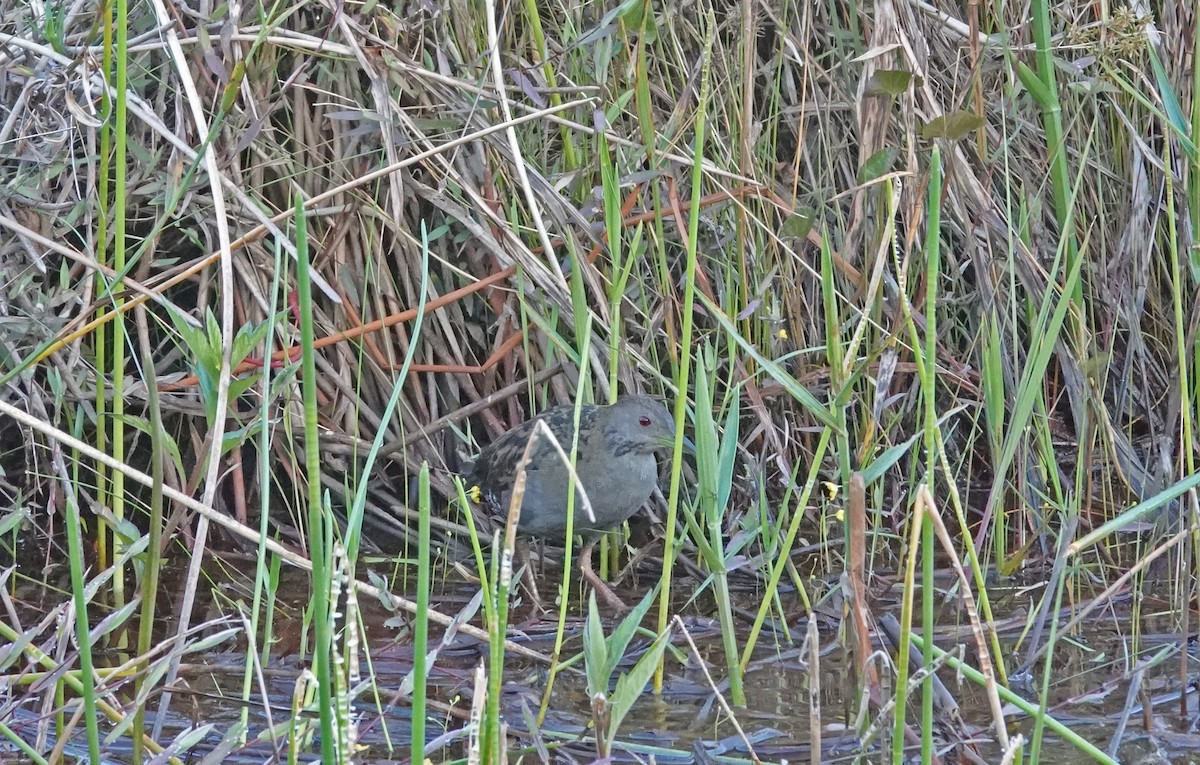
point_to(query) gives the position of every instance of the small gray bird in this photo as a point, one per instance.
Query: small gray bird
(615, 463)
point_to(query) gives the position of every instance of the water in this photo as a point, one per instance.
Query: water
(685, 723)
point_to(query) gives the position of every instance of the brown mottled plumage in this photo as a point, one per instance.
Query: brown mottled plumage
(615, 463)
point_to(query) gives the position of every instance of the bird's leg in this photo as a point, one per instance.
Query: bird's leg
(607, 595)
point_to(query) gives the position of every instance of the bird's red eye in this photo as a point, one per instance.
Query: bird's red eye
(644, 421)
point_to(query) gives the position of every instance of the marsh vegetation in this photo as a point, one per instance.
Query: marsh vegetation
(917, 279)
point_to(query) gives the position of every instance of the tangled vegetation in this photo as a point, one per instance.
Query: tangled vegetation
(918, 278)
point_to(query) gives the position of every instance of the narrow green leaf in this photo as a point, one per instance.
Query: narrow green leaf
(595, 651)
(1035, 86)
(773, 370)
(625, 631)
(630, 686)
(727, 454)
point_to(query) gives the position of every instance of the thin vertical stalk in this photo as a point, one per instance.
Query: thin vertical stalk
(421, 618)
(685, 361)
(357, 514)
(714, 466)
(103, 170)
(924, 358)
(783, 554)
(318, 530)
(1052, 123)
(489, 584)
(906, 633)
(929, 395)
(568, 574)
(120, 195)
(1193, 163)
(149, 586)
(79, 593)
(261, 570)
(570, 156)
(1187, 396)
(610, 184)
(1039, 721)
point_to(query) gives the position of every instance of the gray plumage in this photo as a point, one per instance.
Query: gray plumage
(615, 463)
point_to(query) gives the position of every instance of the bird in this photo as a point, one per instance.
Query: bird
(615, 463)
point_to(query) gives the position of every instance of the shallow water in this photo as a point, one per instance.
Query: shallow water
(684, 723)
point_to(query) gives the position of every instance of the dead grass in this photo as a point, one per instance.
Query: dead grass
(388, 122)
